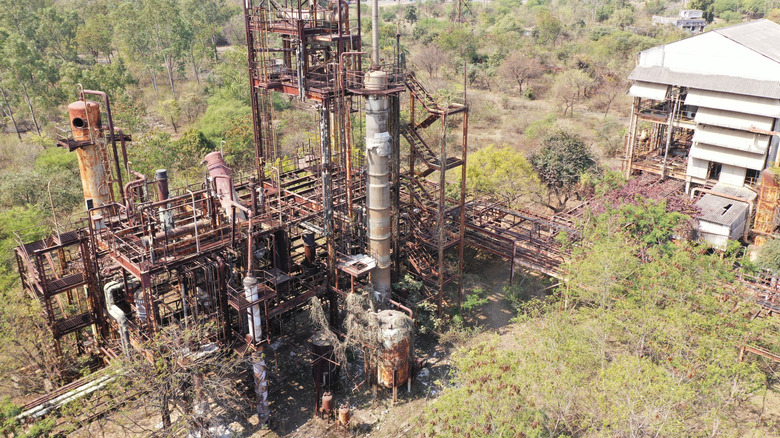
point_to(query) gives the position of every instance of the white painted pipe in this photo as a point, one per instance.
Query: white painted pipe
(117, 314)
(254, 319)
(69, 396)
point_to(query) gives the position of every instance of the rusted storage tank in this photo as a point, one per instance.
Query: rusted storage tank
(84, 117)
(324, 370)
(396, 330)
(93, 160)
(768, 200)
(220, 172)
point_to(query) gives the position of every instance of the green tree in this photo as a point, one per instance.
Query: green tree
(501, 173)
(96, 37)
(560, 163)
(703, 5)
(769, 256)
(571, 87)
(520, 67)
(548, 27)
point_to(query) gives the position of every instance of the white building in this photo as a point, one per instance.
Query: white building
(706, 108)
(688, 19)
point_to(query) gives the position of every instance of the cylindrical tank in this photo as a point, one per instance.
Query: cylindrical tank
(344, 414)
(93, 159)
(161, 178)
(376, 80)
(379, 146)
(396, 330)
(323, 369)
(220, 172)
(309, 248)
(327, 402)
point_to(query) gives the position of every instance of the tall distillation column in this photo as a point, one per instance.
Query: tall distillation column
(379, 146)
(93, 160)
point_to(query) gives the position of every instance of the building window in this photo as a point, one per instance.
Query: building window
(713, 170)
(751, 177)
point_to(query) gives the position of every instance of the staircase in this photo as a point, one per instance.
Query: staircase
(426, 154)
(421, 94)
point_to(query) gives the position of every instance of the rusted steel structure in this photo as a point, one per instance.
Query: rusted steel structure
(242, 251)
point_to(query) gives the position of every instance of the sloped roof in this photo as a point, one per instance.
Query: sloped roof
(760, 35)
(721, 211)
(742, 59)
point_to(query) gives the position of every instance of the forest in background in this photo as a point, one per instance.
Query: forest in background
(541, 77)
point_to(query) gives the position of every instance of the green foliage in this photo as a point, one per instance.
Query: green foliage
(769, 256)
(239, 147)
(8, 413)
(220, 111)
(560, 164)
(26, 222)
(548, 27)
(502, 173)
(649, 221)
(640, 341)
(541, 127)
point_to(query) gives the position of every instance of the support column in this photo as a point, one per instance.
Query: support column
(327, 211)
(395, 189)
(631, 138)
(261, 385)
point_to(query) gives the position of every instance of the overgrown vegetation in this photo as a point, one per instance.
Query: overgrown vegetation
(642, 340)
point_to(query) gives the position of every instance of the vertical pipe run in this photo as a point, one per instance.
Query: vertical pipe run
(261, 386)
(253, 312)
(379, 147)
(374, 32)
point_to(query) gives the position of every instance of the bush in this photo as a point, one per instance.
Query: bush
(769, 256)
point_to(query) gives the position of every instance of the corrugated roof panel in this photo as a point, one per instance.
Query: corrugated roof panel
(649, 90)
(721, 211)
(730, 190)
(759, 35)
(729, 156)
(734, 102)
(716, 82)
(731, 138)
(730, 119)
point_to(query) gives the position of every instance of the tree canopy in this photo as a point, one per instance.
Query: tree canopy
(560, 163)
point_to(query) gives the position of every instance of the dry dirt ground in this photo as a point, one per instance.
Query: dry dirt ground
(378, 416)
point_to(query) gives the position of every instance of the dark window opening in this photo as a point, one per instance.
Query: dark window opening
(713, 170)
(751, 177)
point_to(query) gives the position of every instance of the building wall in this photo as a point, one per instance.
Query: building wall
(697, 168)
(732, 175)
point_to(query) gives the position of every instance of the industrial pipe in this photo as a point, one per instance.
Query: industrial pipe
(220, 173)
(161, 178)
(140, 181)
(249, 234)
(374, 32)
(45, 408)
(402, 307)
(117, 314)
(195, 221)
